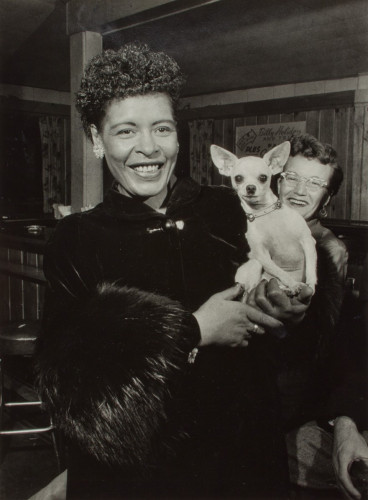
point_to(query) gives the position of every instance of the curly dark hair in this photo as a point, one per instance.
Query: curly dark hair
(132, 70)
(310, 147)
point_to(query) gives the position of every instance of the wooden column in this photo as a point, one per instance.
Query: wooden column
(360, 157)
(86, 170)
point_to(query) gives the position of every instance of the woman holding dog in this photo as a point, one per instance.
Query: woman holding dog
(142, 362)
(310, 178)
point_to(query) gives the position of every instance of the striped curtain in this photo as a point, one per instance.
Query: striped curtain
(53, 159)
(201, 138)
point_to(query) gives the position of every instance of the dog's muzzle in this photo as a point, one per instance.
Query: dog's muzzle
(251, 189)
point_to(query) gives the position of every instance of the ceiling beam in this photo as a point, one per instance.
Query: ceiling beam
(114, 15)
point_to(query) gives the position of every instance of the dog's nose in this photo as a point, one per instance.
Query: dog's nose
(251, 189)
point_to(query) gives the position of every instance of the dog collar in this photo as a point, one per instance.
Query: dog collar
(267, 210)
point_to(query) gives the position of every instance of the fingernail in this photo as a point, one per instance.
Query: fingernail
(240, 285)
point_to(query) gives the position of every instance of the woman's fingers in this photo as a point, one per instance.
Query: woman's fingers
(343, 478)
(224, 320)
(269, 295)
(249, 298)
(252, 329)
(262, 319)
(349, 451)
(230, 293)
(305, 295)
(273, 301)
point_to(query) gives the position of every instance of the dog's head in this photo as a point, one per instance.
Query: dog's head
(251, 175)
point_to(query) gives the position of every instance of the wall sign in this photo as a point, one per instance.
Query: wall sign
(255, 140)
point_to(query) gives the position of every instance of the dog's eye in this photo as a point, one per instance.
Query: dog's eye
(239, 179)
(262, 178)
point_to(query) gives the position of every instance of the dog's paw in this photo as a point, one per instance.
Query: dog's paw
(292, 290)
(249, 274)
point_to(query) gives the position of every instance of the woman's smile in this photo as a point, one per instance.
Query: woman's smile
(147, 170)
(295, 201)
(139, 138)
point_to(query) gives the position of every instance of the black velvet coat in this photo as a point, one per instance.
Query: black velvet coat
(141, 421)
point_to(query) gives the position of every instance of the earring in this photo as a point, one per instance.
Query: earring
(323, 212)
(98, 151)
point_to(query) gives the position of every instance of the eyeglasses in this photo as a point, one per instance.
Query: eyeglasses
(311, 183)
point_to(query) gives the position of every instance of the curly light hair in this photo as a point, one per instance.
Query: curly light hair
(132, 70)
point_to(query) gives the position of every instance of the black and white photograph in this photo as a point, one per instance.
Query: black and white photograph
(183, 249)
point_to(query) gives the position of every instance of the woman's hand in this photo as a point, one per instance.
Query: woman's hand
(349, 445)
(272, 300)
(224, 321)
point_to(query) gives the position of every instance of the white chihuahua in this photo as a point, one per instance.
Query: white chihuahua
(279, 238)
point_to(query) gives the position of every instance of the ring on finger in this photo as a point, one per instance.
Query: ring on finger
(255, 328)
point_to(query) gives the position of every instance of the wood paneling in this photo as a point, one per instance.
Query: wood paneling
(21, 284)
(356, 176)
(16, 288)
(360, 164)
(4, 289)
(343, 126)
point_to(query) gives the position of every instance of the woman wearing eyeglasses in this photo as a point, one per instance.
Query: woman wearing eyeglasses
(310, 179)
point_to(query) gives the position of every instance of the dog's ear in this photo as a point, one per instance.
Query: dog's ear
(277, 157)
(223, 159)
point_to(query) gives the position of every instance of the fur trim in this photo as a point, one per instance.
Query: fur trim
(107, 372)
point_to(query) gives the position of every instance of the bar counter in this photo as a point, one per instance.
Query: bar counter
(22, 282)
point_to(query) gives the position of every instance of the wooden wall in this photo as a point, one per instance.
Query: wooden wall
(22, 282)
(334, 120)
(333, 126)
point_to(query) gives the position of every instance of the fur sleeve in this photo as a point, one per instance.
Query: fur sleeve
(106, 371)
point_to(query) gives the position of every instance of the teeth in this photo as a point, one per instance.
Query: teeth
(298, 202)
(147, 168)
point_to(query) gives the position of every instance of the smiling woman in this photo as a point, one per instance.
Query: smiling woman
(138, 136)
(136, 285)
(311, 177)
(304, 185)
(127, 100)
